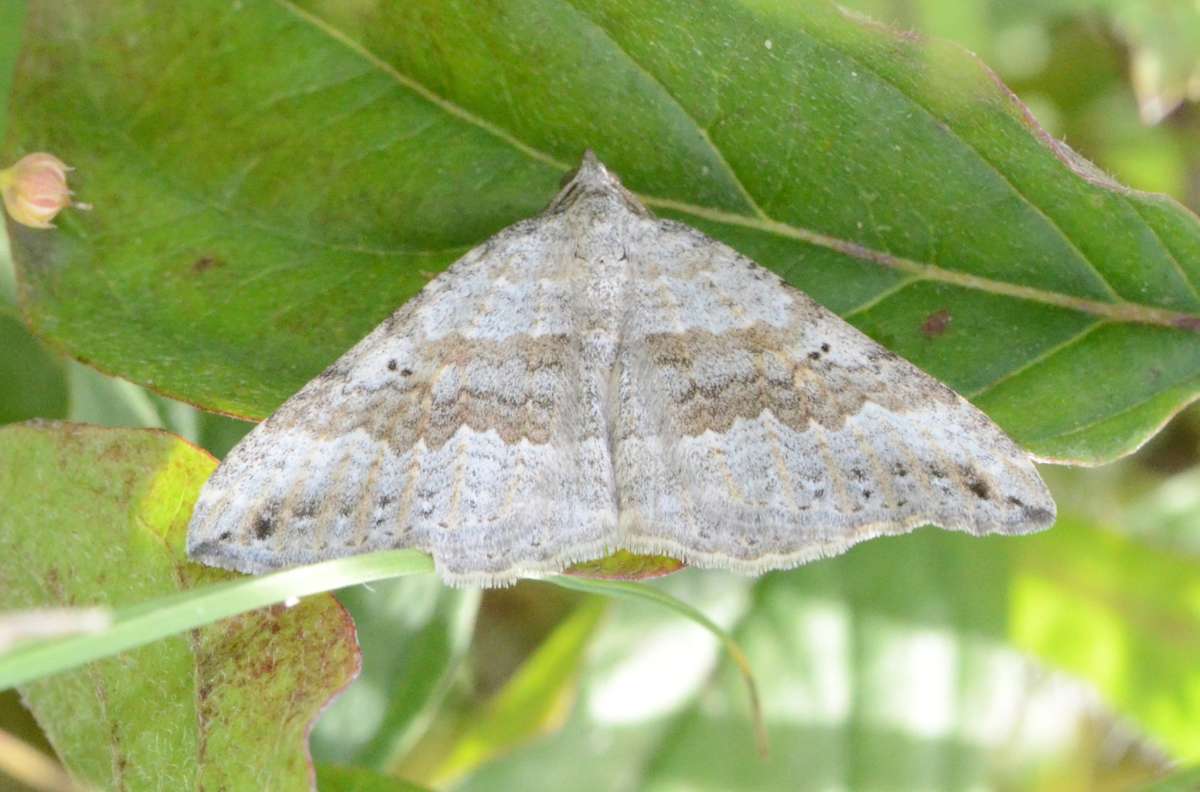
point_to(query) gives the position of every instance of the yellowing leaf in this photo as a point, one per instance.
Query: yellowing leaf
(96, 516)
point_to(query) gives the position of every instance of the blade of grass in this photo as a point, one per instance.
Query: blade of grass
(644, 593)
(140, 624)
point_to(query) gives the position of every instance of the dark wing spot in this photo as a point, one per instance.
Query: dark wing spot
(824, 347)
(1038, 515)
(306, 508)
(814, 355)
(225, 537)
(979, 487)
(393, 365)
(405, 372)
(264, 526)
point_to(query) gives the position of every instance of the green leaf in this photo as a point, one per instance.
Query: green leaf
(1120, 614)
(108, 401)
(534, 701)
(333, 778)
(414, 634)
(12, 18)
(1187, 780)
(32, 384)
(890, 177)
(149, 621)
(94, 516)
(36, 383)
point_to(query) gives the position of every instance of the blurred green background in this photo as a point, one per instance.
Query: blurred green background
(1092, 682)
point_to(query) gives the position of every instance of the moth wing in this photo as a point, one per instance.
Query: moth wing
(457, 427)
(759, 430)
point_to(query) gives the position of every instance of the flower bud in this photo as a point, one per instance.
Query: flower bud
(35, 190)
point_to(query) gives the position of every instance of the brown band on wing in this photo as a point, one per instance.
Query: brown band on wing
(716, 378)
(712, 378)
(458, 387)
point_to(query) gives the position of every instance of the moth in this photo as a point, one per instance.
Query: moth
(596, 378)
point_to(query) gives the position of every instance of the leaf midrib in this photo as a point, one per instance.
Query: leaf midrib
(1118, 310)
(743, 192)
(1082, 257)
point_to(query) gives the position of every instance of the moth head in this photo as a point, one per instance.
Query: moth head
(593, 187)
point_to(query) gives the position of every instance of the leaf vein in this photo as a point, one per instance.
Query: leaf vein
(425, 93)
(1083, 426)
(1119, 310)
(982, 158)
(879, 297)
(1036, 360)
(678, 104)
(1171, 257)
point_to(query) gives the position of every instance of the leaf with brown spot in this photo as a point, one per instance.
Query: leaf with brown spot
(365, 146)
(230, 703)
(936, 323)
(206, 263)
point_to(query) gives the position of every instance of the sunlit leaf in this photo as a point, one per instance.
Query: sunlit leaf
(1187, 780)
(1120, 614)
(890, 667)
(93, 516)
